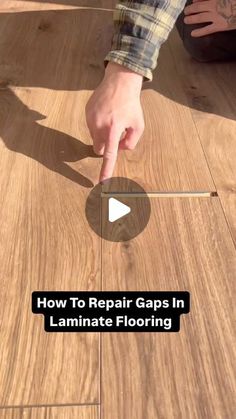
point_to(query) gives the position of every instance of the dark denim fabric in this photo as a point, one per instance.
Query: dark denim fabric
(220, 46)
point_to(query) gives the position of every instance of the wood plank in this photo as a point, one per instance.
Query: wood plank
(27, 5)
(43, 222)
(36, 53)
(190, 374)
(68, 412)
(169, 157)
(47, 168)
(210, 91)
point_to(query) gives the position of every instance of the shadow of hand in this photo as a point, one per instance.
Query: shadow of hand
(48, 146)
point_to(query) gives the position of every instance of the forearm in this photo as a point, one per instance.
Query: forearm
(141, 27)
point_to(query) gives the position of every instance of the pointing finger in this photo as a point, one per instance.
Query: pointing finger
(110, 155)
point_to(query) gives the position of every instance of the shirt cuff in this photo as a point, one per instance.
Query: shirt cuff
(119, 58)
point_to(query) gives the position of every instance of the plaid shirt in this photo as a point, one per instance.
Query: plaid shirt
(141, 27)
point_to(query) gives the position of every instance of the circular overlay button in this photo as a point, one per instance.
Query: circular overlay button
(119, 210)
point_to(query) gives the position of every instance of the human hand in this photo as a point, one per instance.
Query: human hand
(219, 14)
(114, 115)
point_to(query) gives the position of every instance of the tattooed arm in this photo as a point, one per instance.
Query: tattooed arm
(218, 15)
(227, 9)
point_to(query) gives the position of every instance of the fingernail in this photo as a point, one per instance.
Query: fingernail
(104, 181)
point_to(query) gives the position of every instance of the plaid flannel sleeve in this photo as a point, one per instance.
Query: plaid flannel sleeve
(140, 28)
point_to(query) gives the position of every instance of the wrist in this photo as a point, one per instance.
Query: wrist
(122, 73)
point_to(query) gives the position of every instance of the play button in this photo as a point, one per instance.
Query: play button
(118, 211)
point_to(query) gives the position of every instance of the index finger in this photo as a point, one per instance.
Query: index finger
(109, 161)
(110, 155)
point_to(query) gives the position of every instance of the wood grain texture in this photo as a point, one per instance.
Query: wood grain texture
(169, 156)
(39, 57)
(47, 168)
(70, 412)
(210, 92)
(169, 149)
(27, 5)
(36, 53)
(189, 375)
(45, 244)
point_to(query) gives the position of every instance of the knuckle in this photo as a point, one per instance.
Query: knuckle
(98, 150)
(102, 123)
(110, 154)
(130, 146)
(102, 126)
(111, 126)
(96, 122)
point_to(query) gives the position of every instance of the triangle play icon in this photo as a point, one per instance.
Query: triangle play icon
(117, 210)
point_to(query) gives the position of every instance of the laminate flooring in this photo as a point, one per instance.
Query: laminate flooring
(49, 66)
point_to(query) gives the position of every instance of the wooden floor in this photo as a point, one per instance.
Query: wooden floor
(49, 65)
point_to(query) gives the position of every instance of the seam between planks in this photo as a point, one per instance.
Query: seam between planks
(160, 194)
(48, 405)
